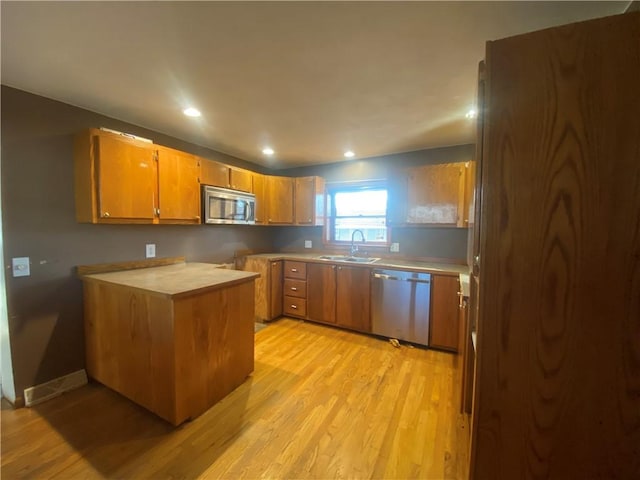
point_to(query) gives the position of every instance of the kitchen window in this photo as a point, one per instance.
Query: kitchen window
(357, 206)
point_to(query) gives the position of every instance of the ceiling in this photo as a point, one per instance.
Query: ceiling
(309, 79)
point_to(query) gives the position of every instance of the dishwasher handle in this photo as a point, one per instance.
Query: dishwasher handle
(384, 276)
(417, 280)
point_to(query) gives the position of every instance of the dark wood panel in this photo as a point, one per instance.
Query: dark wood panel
(444, 325)
(321, 287)
(558, 386)
(353, 295)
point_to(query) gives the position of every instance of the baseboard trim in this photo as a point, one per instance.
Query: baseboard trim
(45, 391)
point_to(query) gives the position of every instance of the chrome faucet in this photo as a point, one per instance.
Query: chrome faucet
(354, 247)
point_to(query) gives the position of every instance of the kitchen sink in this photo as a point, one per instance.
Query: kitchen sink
(348, 258)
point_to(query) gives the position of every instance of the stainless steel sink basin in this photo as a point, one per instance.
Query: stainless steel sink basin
(348, 258)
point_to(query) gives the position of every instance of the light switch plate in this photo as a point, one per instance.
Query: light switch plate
(20, 266)
(395, 247)
(151, 250)
(308, 244)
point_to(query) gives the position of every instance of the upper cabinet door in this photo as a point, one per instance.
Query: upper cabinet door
(280, 200)
(240, 180)
(178, 186)
(309, 201)
(127, 179)
(259, 190)
(214, 173)
(436, 194)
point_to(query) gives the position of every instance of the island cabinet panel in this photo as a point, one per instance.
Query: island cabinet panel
(321, 292)
(175, 355)
(214, 347)
(129, 345)
(178, 186)
(353, 294)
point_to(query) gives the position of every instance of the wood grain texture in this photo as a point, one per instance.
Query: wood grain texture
(214, 348)
(435, 194)
(178, 187)
(353, 295)
(240, 179)
(321, 292)
(318, 405)
(214, 173)
(275, 291)
(294, 269)
(295, 288)
(444, 326)
(305, 200)
(259, 190)
(120, 266)
(268, 286)
(84, 178)
(558, 387)
(279, 200)
(174, 356)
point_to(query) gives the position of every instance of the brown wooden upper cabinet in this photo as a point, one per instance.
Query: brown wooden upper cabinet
(178, 188)
(122, 180)
(430, 195)
(279, 194)
(436, 194)
(309, 201)
(260, 191)
(221, 175)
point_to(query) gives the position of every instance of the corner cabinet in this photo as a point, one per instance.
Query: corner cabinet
(122, 180)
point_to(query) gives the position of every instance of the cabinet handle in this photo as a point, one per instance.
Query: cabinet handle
(106, 215)
(294, 289)
(294, 269)
(197, 217)
(295, 307)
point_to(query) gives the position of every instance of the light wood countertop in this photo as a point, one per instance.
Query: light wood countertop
(174, 280)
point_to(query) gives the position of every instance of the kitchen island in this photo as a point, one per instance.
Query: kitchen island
(175, 339)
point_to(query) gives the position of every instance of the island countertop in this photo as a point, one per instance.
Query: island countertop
(174, 280)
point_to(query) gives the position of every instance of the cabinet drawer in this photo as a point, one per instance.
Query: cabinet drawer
(295, 270)
(294, 306)
(295, 288)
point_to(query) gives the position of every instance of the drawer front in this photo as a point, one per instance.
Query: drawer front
(295, 288)
(294, 306)
(295, 270)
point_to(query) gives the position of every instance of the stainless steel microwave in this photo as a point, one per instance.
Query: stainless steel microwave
(221, 205)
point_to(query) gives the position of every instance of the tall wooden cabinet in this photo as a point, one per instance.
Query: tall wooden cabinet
(558, 367)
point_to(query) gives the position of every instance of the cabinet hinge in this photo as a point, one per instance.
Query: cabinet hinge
(155, 155)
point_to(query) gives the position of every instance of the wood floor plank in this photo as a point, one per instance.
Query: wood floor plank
(321, 403)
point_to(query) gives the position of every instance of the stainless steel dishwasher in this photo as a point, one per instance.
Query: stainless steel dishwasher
(400, 305)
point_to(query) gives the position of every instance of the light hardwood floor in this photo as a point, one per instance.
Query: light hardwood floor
(322, 403)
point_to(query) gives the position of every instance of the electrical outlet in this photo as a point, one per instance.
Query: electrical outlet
(395, 247)
(308, 244)
(151, 250)
(20, 266)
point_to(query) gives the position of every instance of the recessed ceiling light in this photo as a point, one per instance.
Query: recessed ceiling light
(191, 112)
(473, 113)
(267, 151)
(349, 154)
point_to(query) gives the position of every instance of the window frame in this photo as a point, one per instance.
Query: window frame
(334, 187)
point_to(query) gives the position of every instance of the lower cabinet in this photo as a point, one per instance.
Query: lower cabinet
(295, 289)
(268, 286)
(321, 283)
(445, 312)
(353, 298)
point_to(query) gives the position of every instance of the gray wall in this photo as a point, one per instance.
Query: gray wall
(429, 242)
(45, 309)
